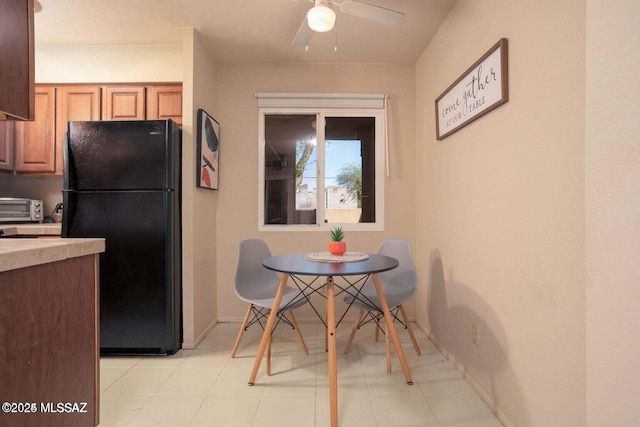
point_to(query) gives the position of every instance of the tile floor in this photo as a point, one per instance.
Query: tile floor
(205, 387)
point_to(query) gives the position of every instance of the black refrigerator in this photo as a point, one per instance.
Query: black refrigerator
(122, 182)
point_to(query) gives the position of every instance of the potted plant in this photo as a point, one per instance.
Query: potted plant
(336, 245)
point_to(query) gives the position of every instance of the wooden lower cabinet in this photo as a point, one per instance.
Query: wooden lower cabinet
(49, 362)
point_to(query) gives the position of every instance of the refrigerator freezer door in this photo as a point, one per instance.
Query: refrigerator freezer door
(140, 295)
(136, 155)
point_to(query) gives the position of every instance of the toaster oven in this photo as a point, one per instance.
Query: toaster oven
(20, 210)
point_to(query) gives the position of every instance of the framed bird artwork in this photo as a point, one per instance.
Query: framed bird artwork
(207, 151)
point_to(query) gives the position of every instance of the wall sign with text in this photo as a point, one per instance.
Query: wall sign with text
(480, 89)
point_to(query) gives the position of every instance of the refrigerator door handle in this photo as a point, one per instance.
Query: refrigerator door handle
(65, 161)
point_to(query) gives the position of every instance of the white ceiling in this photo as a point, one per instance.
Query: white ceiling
(242, 30)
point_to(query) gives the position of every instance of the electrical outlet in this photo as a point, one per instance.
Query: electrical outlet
(475, 334)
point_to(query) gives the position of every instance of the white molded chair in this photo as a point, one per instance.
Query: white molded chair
(258, 285)
(399, 285)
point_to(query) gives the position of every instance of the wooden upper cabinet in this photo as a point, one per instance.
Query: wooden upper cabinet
(123, 103)
(35, 140)
(34, 147)
(165, 102)
(75, 103)
(6, 146)
(17, 67)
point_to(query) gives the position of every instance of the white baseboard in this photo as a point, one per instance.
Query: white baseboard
(199, 338)
(313, 319)
(476, 387)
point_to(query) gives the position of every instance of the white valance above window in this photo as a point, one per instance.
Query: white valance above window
(320, 100)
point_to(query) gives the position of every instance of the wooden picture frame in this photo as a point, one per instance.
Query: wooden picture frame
(479, 90)
(208, 144)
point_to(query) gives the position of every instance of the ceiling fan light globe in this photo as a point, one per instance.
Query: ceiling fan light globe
(321, 18)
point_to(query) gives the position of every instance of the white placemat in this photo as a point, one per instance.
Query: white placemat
(327, 257)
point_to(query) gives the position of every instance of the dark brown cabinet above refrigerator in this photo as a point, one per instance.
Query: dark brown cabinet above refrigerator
(17, 69)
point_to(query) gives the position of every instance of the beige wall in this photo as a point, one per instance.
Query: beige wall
(613, 213)
(501, 207)
(199, 205)
(238, 198)
(108, 63)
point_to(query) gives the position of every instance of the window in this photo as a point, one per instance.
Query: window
(321, 167)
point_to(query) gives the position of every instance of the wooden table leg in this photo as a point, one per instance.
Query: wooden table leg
(333, 361)
(326, 320)
(392, 329)
(269, 355)
(266, 335)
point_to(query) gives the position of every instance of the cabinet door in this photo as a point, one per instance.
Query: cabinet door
(123, 103)
(50, 316)
(165, 102)
(17, 66)
(6, 146)
(75, 103)
(35, 141)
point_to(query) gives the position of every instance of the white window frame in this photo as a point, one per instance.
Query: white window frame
(321, 112)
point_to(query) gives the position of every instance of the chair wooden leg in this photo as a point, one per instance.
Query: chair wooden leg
(295, 326)
(244, 325)
(387, 345)
(413, 337)
(266, 335)
(377, 328)
(353, 333)
(392, 330)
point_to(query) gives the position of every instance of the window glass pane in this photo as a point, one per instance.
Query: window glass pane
(290, 181)
(349, 170)
(320, 168)
(306, 179)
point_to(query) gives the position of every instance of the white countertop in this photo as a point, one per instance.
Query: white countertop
(26, 252)
(44, 229)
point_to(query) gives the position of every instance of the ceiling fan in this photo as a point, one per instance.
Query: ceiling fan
(321, 17)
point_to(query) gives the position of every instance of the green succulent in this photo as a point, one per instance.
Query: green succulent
(336, 234)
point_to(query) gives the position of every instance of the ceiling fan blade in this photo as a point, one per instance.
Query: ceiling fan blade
(303, 35)
(371, 12)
